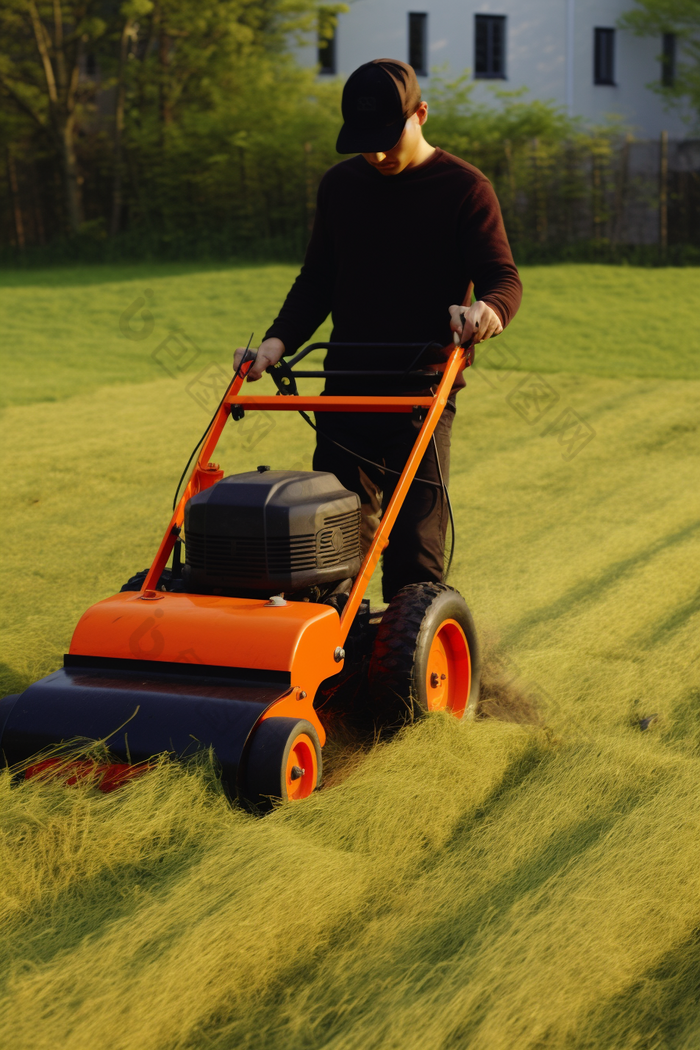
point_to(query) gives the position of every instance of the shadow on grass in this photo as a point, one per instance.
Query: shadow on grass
(457, 937)
(682, 723)
(660, 1010)
(593, 589)
(676, 621)
(115, 895)
(75, 901)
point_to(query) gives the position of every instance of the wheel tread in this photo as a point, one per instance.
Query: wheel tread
(398, 642)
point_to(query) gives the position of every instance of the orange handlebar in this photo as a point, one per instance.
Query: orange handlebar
(205, 473)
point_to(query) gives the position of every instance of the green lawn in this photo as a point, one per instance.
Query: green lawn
(62, 334)
(488, 885)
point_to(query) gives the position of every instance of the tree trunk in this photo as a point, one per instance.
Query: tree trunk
(69, 172)
(37, 206)
(14, 196)
(164, 86)
(115, 221)
(61, 67)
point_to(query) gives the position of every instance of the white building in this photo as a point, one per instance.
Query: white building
(567, 51)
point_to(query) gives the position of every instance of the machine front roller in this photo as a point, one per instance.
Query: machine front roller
(284, 762)
(426, 656)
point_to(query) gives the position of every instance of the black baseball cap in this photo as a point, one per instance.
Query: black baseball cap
(378, 99)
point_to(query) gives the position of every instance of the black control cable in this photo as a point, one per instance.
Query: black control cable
(246, 357)
(389, 470)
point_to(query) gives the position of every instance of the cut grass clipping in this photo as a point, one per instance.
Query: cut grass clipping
(491, 885)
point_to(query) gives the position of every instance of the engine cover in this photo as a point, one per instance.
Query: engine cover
(279, 530)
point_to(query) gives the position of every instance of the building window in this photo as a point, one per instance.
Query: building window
(604, 56)
(418, 42)
(490, 46)
(327, 31)
(668, 60)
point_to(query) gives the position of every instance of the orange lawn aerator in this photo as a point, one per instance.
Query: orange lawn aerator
(229, 648)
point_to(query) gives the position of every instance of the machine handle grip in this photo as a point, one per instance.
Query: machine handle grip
(247, 359)
(469, 348)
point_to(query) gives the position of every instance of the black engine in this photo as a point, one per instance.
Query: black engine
(264, 532)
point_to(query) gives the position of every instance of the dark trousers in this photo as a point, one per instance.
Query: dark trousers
(417, 541)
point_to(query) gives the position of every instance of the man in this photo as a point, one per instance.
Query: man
(401, 231)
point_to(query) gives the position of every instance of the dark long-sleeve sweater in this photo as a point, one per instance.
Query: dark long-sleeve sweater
(389, 254)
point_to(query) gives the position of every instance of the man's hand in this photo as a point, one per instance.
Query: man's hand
(475, 323)
(269, 353)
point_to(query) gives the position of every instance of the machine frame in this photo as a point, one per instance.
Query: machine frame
(214, 668)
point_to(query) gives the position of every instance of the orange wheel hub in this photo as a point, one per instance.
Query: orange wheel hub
(448, 676)
(302, 768)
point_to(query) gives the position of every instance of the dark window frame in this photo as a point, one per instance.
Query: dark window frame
(418, 42)
(327, 51)
(669, 53)
(490, 47)
(604, 45)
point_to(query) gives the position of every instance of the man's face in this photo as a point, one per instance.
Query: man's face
(400, 157)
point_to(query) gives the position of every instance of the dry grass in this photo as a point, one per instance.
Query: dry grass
(529, 880)
(503, 695)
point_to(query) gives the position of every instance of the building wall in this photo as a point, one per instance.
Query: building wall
(549, 50)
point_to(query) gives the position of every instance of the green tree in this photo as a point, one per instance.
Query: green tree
(42, 51)
(205, 86)
(682, 18)
(163, 60)
(462, 125)
(176, 64)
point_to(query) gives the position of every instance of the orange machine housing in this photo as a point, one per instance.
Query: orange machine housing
(300, 638)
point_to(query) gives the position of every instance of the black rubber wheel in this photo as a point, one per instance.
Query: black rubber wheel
(135, 583)
(426, 656)
(283, 762)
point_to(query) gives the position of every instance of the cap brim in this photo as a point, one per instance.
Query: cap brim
(369, 140)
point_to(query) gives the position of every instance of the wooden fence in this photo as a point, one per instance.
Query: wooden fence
(626, 192)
